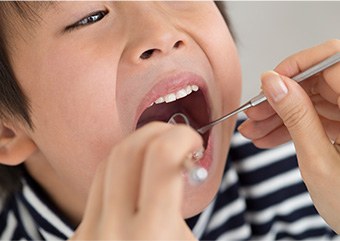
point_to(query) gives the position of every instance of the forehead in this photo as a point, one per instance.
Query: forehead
(17, 17)
(26, 10)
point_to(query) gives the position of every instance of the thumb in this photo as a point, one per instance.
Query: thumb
(295, 108)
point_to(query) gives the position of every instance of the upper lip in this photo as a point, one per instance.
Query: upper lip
(171, 84)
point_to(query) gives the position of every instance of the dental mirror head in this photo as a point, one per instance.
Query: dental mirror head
(179, 118)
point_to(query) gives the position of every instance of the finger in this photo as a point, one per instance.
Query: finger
(337, 147)
(252, 129)
(331, 77)
(162, 180)
(322, 89)
(276, 137)
(301, 61)
(298, 114)
(260, 112)
(313, 86)
(318, 99)
(123, 170)
(332, 128)
(328, 110)
(269, 133)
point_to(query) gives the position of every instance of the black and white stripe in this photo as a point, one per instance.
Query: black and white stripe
(261, 197)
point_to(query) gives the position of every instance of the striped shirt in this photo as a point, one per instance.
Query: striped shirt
(261, 197)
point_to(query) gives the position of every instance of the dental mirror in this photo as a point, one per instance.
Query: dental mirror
(196, 174)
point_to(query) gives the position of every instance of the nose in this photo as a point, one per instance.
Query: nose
(152, 36)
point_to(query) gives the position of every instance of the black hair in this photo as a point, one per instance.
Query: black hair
(14, 104)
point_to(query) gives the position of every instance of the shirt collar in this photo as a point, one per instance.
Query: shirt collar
(50, 224)
(53, 226)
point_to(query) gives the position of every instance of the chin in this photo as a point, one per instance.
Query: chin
(196, 199)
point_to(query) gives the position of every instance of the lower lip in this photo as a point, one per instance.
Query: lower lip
(206, 161)
(207, 158)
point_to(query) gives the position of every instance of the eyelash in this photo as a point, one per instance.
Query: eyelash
(90, 19)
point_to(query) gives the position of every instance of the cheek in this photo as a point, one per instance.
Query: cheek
(222, 54)
(221, 51)
(78, 95)
(227, 71)
(74, 112)
(228, 74)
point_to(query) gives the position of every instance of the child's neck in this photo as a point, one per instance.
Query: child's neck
(66, 199)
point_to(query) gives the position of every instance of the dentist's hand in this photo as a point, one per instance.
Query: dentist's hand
(137, 193)
(309, 114)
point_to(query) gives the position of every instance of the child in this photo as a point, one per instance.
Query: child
(79, 77)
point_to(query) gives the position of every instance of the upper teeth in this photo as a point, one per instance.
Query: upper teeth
(178, 95)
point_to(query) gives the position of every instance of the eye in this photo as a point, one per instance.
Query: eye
(90, 19)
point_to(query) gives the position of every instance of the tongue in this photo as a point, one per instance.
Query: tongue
(159, 112)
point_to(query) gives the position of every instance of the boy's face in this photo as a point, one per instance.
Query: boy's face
(89, 85)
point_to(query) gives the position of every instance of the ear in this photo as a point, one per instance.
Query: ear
(15, 145)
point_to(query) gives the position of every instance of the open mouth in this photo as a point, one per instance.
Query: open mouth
(190, 101)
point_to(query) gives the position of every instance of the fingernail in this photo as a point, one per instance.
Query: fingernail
(274, 85)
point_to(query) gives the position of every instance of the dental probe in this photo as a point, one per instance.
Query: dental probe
(261, 98)
(197, 174)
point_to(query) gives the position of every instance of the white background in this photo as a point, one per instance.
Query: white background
(267, 32)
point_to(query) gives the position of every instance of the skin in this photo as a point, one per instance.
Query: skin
(80, 150)
(309, 115)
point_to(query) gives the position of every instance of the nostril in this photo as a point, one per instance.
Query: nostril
(177, 44)
(147, 54)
